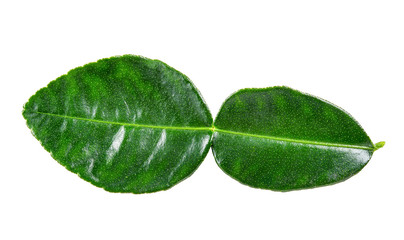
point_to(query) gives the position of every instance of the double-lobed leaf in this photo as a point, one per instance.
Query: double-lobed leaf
(281, 139)
(132, 124)
(126, 124)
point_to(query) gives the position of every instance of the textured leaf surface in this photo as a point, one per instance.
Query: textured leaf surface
(126, 124)
(281, 139)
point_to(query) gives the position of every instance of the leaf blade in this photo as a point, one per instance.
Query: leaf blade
(120, 124)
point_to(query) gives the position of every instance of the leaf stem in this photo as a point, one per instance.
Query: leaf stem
(379, 145)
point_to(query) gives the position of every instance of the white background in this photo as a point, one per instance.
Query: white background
(348, 52)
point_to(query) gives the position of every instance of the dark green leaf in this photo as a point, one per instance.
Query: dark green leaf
(281, 139)
(126, 124)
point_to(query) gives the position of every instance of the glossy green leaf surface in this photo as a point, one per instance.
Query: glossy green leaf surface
(126, 124)
(281, 139)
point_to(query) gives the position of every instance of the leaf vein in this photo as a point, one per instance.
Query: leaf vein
(127, 124)
(296, 140)
(213, 129)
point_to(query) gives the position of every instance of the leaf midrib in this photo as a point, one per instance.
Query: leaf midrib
(214, 129)
(338, 145)
(125, 124)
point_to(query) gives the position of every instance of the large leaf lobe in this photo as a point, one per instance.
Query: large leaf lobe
(126, 124)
